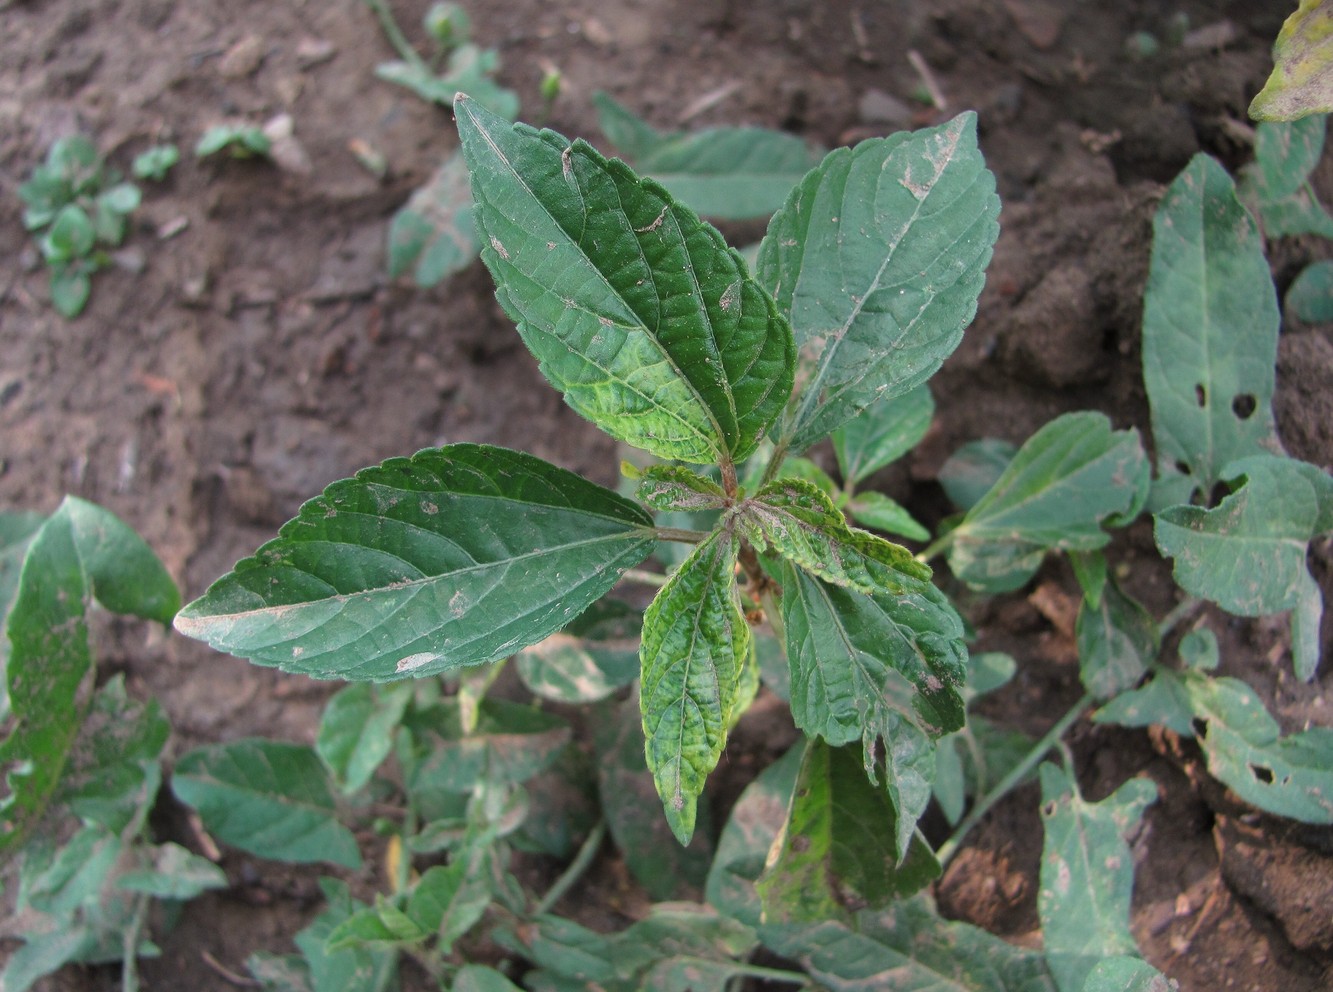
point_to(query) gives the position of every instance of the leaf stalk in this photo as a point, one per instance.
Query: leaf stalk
(582, 861)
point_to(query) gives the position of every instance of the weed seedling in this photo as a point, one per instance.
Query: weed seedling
(238, 140)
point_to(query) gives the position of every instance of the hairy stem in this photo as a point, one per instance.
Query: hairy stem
(1020, 771)
(582, 861)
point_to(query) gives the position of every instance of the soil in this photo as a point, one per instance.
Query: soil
(247, 349)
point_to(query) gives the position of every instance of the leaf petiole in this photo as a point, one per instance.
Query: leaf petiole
(575, 871)
(396, 37)
(680, 534)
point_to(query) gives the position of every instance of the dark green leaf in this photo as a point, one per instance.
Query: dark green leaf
(1068, 479)
(884, 432)
(696, 643)
(1117, 641)
(972, 471)
(356, 731)
(1087, 874)
(588, 660)
(1310, 297)
(1210, 325)
(266, 797)
(457, 556)
(636, 310)
(878, 257)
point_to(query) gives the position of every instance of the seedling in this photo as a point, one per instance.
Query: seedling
(81, 208)
(238, 140)
(155, 163)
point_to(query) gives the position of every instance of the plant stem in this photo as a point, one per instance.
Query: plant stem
(1020, 771)
(575, 871)
(680, 534)
(129, 970)
(935, 548)
(1178, 613)
(396, 37)
(755, 971)
(643, 577)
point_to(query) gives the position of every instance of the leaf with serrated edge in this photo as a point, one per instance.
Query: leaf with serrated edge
(695, 643)
(1069, 478)
(266, 797)
(1210, 326)
(878, 258)
(1087, 874)
(456, 556)
(674, 487)
(799, 521)
(635, 309)
(883, 433)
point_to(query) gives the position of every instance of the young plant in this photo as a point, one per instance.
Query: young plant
(79, 207)
(237, 140)
(154, 163)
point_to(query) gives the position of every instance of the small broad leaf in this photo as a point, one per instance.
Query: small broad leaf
(1290, 776)
(797, 520)
(457, 556)
(971, 471)
(1087, 874)
(591, 658)
(727, 173)
(1277, 184)
(433, 234)
(268, 798)
(1311, 296)
(356, 731)
(696, 643)
(1210, 326)
(449, 900)
(1302, 81)
(42, 954)
(1117, 641)
(882, 513)
(635, 309)
(175, 873)
(359, 969)
(878, 257)
(838, 850)
(72, 235)
(71, 286)
(1069, 478)
(479, 978)
(883, 432)
(1127, 974)
(909, 946)
(509, 744)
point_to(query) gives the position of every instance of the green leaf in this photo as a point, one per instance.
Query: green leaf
(1210, 326)
(1087, 874)
(360, 969)
(878, 258)
(1290, 776)
(742, 849)
(1117, 641)
(883, 432)
(384, 927)
(241, 140)
(74, 875)
(479, 978)
(838, 851)
(695, 644)
(154, 163)
(449, 900)
(356, 731)
(1277, 184)
(42, 954)
(882, 513)
(71, 236)
(972, 471)
(81, 552)
(798, 521)
(591, 658)
(71, 286)
(727, 173)
(268, 798)
(279, 972)
(1068, 479)
(1126, 974)
(457, 556)
(510, 744)
(910, 947)
(1310, 297)
(433, 234)
(635, 309)
(674, 487)
(175, 874)
(1301, 82)
(1198, 650)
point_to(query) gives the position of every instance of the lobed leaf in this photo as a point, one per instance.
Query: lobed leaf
(635, 309)
(696, 643)
(1087, 874)
(1210, 326)
(1067, 480)
(457, 556)
(878, 258)
(1302, 79)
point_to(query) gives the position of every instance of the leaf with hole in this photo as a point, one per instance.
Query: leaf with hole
(454, 557)
(635, 309)
(878, 257)
(1069, 479)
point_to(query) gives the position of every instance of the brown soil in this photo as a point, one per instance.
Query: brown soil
(225, 373)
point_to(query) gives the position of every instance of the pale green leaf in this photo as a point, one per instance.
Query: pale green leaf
(509, 744)
(1127, 974)
(1302, 79)
(433, 234)
(384, 927)
(970, 472)
(882, 513)
(1198, 649)
(449, 900)
(457, 556)
(42, 954)
(882, 433)
(1210, 326)
(279, 972)
(479, 978)
(356, 731)
(797, 520)
(175, 873)
(1277, 184)
(695, 644)
(360, 969)
(72, 876)
(878, 258)
(1068, 479)
(591, 658)
(266, 797)
(909, 948)
(635, 309)
(1310, 297)
(1244, 748)
(674, 487)
(1087, 874)
(1117, 641)
(731, 173)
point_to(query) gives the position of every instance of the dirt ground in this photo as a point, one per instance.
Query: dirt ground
(247, 348)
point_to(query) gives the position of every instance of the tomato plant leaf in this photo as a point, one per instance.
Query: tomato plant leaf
(882, 433)
(1300, 83)
(1117, 641)
(695, 644)
(1087, 874)
(356, 731)
(635, 309)
(878, 258)
(1065, 482)
(266, 797)
(1210, 327)
(456, 556)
